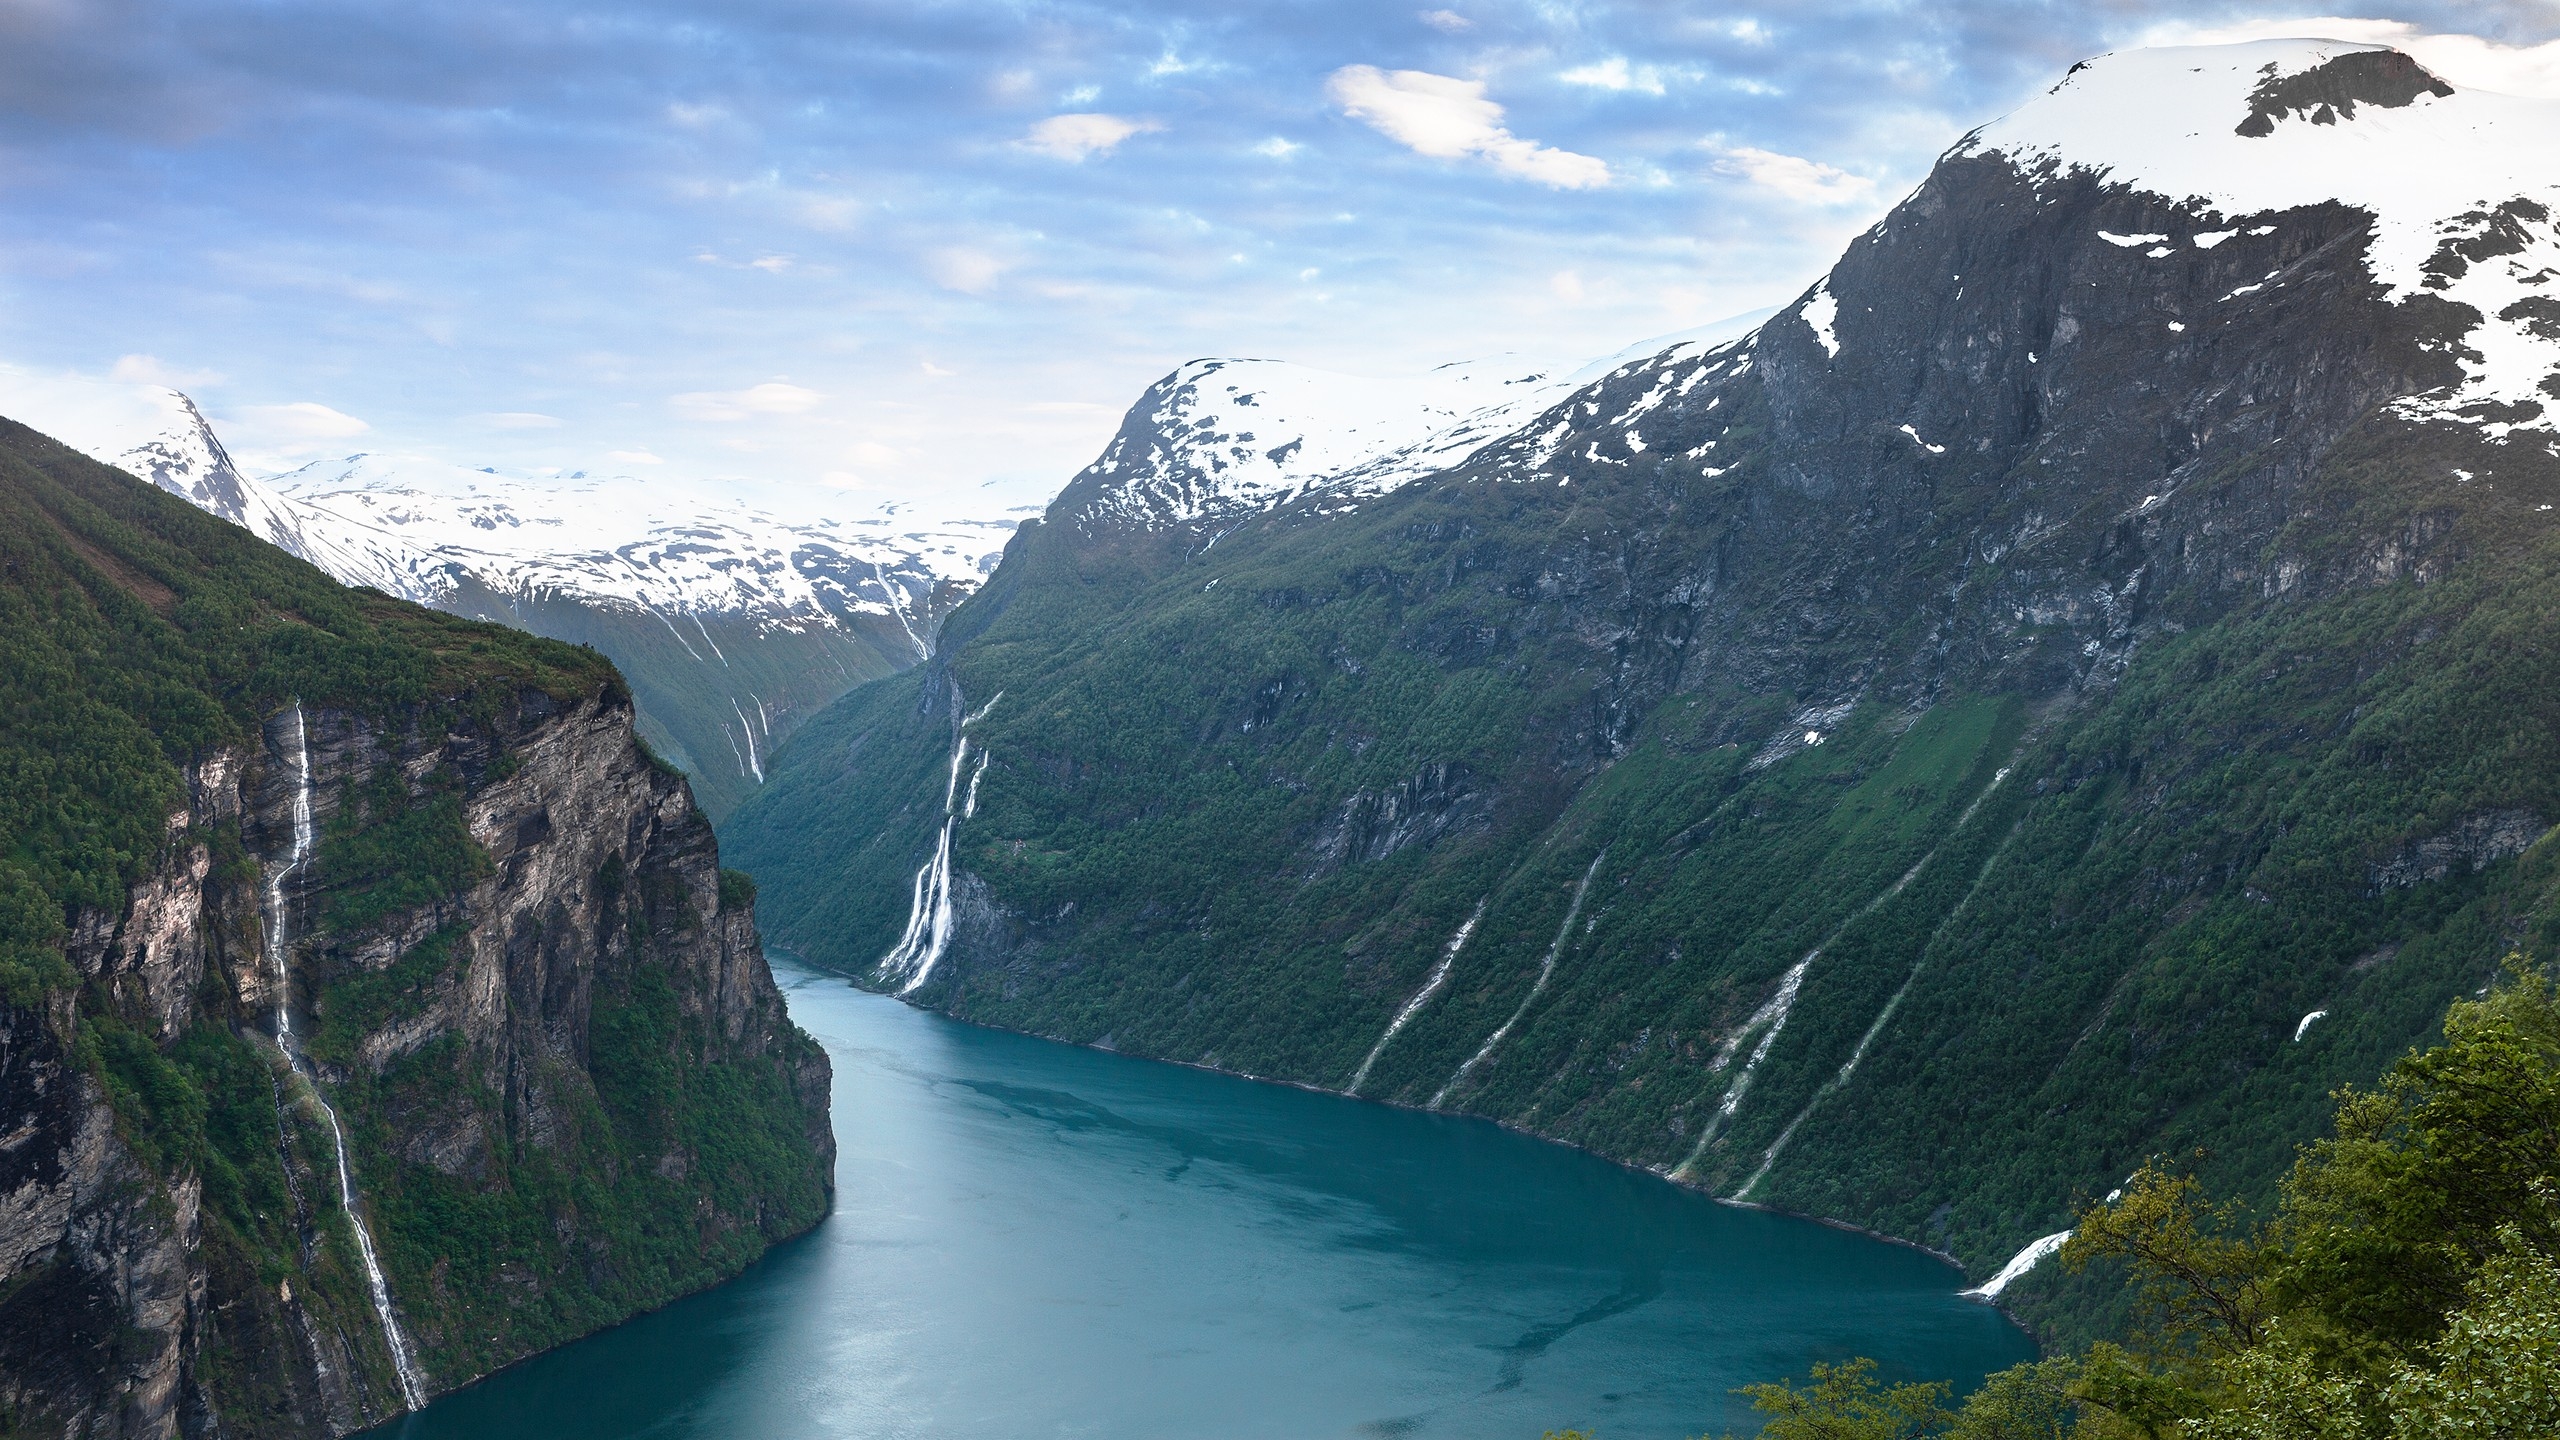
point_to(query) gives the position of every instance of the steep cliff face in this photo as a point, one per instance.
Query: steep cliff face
(1906, 764)
(397, 1033)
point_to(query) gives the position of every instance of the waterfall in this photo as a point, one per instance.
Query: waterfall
(413, 1389)
(928, 931)
(1883, 1018)
(2019, 1264)
(1431, 986)
(1774, 1013)
(753, 765)
(1546, 972)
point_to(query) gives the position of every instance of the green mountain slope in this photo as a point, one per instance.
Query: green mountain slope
(232, 789)
(1907, 766)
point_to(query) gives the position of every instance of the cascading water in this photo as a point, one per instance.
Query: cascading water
(928, 931)
(1883, 1018)
(1546, 972)
(1430, 986)
(413, 1389)
(1773, 1014)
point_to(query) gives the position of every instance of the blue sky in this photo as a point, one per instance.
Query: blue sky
(859, 250)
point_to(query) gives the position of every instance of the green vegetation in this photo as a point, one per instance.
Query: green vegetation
(139, 638)
(2406, 1287)
(2315, 804)
(389, 851)
(137, 633)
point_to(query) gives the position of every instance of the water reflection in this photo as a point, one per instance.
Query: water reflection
(1036, 1240)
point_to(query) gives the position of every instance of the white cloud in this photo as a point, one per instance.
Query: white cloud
(1615, 74)
(1448, 119)
(518, 420)
(2471, 61)
(633, 457)
(148, 370)
(1448, 22)
(937, 372)
(301, 420)
(1808, 181)
(773, 397)
(1566, 286)
(971, 272)
(1278, 148)
(1081, 137)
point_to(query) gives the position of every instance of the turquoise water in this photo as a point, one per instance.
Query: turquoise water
(1035, 1240)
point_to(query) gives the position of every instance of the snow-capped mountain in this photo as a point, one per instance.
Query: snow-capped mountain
(732, 622)
(1223, 439)
(2029, 660)
(2461, 185)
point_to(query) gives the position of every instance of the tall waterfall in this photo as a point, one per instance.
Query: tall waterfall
(1546, 972)
(1773, 1014)
(928, 931)
(1430, 986)
(413, 1389)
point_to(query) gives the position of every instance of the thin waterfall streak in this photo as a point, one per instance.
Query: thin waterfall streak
(937, 935)
(1884, 1017)
(1430, 986)
(1773, 1014)
(974, 716)
(1546, 972)
(413, 1390)
(672, 630)
(755, 765)
(696, 617)
(896, 596)
(969, 809)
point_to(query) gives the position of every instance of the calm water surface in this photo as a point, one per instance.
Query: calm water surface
(1035, 1240)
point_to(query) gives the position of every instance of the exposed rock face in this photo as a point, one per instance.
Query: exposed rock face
(1919, 758)
(600, 882)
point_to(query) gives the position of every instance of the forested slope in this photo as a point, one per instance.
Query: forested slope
(1907, 765)
(372, 1012)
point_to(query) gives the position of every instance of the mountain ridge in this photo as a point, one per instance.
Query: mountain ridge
(1903, 765)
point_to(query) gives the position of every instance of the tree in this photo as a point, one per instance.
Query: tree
(1844, 1402)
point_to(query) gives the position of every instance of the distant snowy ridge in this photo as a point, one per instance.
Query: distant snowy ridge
(732, 622)
(1221, 439)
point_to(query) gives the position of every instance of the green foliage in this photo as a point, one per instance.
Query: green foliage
(31, 962)
(737, 891)
(2408, 1287)
(388, 852)
(1845, 1402)
(137, 632)
(361, 1002)
(2431, 1174)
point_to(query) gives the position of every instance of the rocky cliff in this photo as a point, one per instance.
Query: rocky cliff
(393, 1028)
(1906, 764)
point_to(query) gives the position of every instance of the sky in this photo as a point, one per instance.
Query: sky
(847, 251)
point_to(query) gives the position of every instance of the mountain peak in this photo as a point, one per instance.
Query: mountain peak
(2461, 185)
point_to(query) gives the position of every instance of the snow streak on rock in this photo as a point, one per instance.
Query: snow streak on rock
(1430, 986)
(1546, 972)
